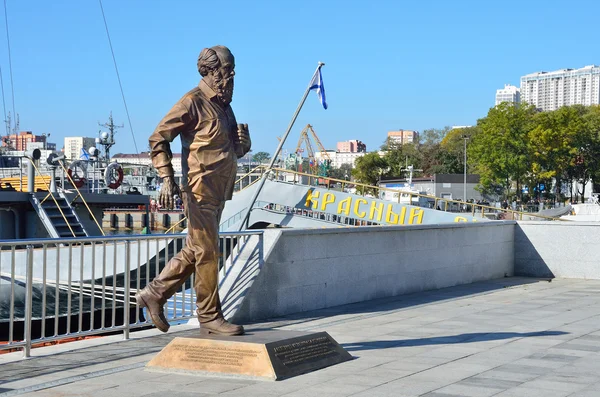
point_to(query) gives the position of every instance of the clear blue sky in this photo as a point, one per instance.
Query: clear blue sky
(389, 64)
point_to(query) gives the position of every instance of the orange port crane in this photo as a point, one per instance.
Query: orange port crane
(315, 167)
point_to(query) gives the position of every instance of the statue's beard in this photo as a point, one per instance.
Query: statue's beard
(223, 88)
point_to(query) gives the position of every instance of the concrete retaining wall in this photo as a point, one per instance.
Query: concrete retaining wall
(308, 269)
(557, 249)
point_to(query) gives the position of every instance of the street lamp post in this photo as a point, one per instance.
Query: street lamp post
(465, 137)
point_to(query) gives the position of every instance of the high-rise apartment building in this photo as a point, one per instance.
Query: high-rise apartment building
(509, 93)
(565, 87)
(19, 141)
(351, 146)
(73, 146)
(403, 136)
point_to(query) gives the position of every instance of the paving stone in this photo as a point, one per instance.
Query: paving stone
(463, 390)
(509, 376)
(333, 388)
(176, 394)
(548, 384)
(436, 394)
(523, 369)
(403, 387)
(522, 391)
(213, 385)
(493, 383)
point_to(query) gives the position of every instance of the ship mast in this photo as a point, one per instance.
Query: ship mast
(108, 139)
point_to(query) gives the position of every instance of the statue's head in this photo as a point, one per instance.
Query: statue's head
(216, 66)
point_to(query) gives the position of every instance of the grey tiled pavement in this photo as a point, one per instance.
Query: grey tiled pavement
(514, 337)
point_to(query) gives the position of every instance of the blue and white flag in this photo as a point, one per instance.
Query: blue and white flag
(84, 155)
(317, 84)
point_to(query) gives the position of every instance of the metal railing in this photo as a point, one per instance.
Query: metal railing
(260, 169)
(322, 216)
(51, 194)
(239, 215)
(410, 198)
(57, 289)
(62, 164)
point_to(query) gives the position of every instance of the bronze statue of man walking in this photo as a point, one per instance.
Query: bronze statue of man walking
(211, 143)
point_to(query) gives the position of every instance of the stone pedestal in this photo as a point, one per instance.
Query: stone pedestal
(267, 354)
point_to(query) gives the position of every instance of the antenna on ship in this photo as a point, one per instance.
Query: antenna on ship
(107, 139)
(8, 123)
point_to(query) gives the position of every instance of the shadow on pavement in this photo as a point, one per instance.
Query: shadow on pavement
(398, 302)
(445, 340)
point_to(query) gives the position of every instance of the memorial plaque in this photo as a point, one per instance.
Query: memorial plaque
(266, 354)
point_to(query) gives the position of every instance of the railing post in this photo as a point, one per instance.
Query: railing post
(127, 281)
(28, 302)
(261, 250)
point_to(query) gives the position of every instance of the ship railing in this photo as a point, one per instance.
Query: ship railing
(370, 191)
(239, 182)
(237, 217)
(50, 194)
(79, 195)
(71, 288)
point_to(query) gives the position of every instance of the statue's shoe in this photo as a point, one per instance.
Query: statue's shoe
(155, 308)
(220, 326)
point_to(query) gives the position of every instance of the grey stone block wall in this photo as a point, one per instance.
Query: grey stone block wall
(558, 249)
(308, 269)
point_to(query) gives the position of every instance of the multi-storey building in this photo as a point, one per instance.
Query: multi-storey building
(509, 93)
(346, 158)
(351, 146)
(19, 141)
(403, 136)
(565, 87)
(339, 158)
(73, 146)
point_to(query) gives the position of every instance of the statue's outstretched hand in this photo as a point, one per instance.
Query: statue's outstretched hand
(168, 191)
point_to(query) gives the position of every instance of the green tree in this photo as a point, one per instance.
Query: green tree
(369, 169)
(344, 172)
(435, 158)
(453, 150)
(433, 135)
(261, 157)
(558, 143)
(590, 149)
(499, 147)
(398, 156)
